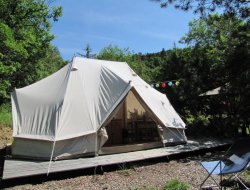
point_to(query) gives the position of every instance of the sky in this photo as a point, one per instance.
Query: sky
(140, 25)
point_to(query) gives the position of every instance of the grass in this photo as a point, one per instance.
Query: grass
(5, 115)
(123, 170)
(173, 184)
(5, 125)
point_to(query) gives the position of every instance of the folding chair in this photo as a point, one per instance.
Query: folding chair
(235, 161)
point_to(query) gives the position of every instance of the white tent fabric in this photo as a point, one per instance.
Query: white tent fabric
(70, 106)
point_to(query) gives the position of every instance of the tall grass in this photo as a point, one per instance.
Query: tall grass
(5, 115)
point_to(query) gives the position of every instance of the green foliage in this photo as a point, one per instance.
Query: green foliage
(114, 53)
(217, 56)
(218, 59)
(170, 185)
(49, 64)
(5, 115)
(176, 185)
(198, 119)
(25, 42)
(206, 7)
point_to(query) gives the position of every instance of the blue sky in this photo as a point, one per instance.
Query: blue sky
(140, 25)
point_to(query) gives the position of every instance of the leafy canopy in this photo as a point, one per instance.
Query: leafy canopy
(25, 40)
(205, 7)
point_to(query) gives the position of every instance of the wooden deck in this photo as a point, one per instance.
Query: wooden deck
(14, 168)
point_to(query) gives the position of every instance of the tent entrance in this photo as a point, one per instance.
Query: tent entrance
(132, 128)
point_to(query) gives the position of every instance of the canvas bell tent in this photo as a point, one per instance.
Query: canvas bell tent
(90, 107)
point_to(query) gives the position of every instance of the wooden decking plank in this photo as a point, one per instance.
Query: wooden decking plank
(21, 168)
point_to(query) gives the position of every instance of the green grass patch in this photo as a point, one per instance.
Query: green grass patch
(5, 115)
(175, 184)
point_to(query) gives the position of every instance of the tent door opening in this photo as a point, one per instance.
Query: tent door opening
(132, 128)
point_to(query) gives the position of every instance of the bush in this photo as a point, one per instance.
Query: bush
(176, 185)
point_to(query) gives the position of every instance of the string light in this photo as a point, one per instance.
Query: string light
(164, 84)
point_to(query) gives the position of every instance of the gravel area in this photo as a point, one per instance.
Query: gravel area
(5, 136)
(135, 178)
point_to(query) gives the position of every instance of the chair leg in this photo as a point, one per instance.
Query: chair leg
(210, 175)
(220, 176)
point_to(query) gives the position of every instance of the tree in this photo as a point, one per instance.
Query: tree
(217, 55)
(205, 7)
(88, 51)
(24, 40)
(49, 64)
(114, 53)
(220, 57)
(218, 39)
